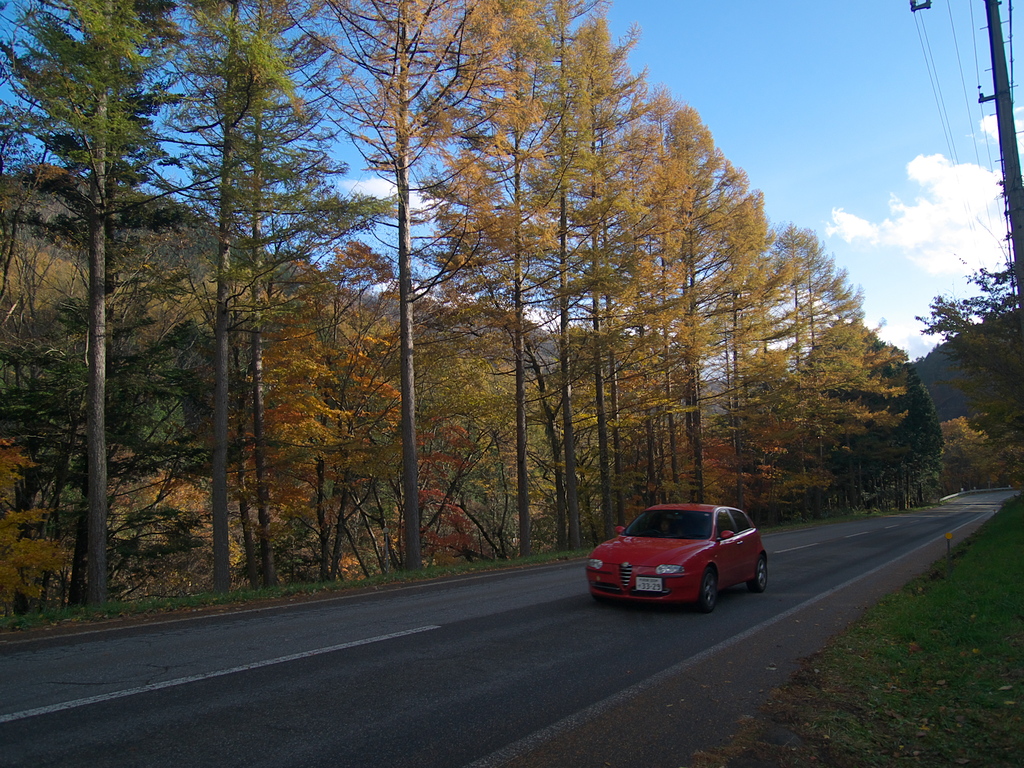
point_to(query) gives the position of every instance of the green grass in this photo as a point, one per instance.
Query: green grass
(932, 676)
(253, 597)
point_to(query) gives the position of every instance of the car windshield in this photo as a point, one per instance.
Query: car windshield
(672, 524)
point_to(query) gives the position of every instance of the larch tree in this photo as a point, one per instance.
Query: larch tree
(415, 69)
(709, 210)
(218, 74)
(612, 102)
(557, 184)
(751, 355)
(292, 213)
(500, 181)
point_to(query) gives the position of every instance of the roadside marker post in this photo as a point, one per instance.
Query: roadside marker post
(949, 554)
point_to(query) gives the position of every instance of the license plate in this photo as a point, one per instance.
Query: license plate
(648, 584)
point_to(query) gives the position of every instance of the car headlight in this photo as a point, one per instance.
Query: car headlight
(666, 568)
(595, 563)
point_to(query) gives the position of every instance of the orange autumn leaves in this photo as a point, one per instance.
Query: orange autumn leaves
(24, 555)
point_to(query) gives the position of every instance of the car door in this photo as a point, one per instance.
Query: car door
(729, 552)
(747, 549)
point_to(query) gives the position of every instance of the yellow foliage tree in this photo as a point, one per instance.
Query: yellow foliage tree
(24, 555)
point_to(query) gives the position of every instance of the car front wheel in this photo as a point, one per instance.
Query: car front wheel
(708, 591)
(760, 581)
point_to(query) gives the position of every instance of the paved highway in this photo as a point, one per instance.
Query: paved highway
(510, 668)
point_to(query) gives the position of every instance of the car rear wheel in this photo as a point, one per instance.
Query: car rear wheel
(760, 581)
(708, 591)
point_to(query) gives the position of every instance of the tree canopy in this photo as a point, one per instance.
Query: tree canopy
(604, 316)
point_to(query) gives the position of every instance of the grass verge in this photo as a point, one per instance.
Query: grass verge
(254, 597)
(932, 676)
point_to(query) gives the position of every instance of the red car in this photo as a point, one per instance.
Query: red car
(679, 553)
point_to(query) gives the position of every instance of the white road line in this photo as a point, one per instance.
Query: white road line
(204, 676)
(794, 549)
(358, 594)
(855, 535)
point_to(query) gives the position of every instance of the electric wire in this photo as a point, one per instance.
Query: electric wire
(1001, 242)
(977, 77)
(983, 220)
(922, 35)
(1013, 121)
(973, 219)
(963, 80)
(1005, 241)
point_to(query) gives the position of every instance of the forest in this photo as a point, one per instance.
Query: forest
(221, 366)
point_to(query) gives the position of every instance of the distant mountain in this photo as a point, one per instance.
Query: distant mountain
(938, 372)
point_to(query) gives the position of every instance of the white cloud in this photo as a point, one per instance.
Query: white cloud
(990, 126)
(907, 336)
(955, 225)
(374, 186)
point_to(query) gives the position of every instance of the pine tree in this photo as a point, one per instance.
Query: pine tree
(91, 70)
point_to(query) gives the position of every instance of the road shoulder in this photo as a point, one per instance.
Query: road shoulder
(707, 703)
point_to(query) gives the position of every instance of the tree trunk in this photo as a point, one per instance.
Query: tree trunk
(695, 432)
(96, 426)
(522, 446)
(410, 458)
(248, 540)
(651, 491)
(568, 434)
(260, 460)
(322, 529)
(219, 468)
(604, 457)
(620, 494)
(221, 366)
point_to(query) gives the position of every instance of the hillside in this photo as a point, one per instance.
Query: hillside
(939, 374)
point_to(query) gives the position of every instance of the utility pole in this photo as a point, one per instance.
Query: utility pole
(1013, 188)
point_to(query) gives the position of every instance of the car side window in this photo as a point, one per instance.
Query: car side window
(742, 521)
(725, 522)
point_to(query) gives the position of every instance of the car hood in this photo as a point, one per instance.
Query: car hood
(643, 550)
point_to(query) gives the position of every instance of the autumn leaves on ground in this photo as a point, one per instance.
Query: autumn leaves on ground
(219, 370)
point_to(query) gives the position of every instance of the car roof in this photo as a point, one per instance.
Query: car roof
(686, 507)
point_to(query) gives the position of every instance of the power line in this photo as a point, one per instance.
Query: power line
(929, 60)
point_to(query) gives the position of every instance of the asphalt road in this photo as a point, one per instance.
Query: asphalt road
(515, 668)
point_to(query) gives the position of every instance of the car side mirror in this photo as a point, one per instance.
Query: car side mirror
(726, 535)
(619, 529)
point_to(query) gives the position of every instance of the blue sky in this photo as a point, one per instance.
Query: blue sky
(830, 109)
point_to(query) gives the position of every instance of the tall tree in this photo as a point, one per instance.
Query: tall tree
(612, 102)
(711, 224)
(416, 67)
(264, 170)
(562, 176)
(91, 70)
(224, 63)
(982, 338)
